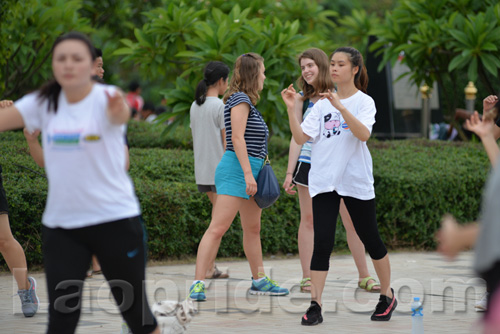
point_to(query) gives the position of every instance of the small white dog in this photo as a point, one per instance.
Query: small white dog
(172, 316)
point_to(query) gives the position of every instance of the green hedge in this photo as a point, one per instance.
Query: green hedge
(415, 181)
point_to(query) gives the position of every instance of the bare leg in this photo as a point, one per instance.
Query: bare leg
(355, 245)
(13, 254)
(95, 264)
(318, 279)
(212, 197)
(383, 269)
(250, 222)
(306, 231)
(224, 212)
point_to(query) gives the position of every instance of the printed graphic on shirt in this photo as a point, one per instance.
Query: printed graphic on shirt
(332, 124)
(345, 127)
(65, 140)
(91, 138)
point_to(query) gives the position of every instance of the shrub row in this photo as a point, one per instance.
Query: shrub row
(416, 182)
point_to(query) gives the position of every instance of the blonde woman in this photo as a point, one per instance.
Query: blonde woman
(235, 178)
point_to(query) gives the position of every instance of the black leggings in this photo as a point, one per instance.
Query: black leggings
(325, 212)
(120, 247)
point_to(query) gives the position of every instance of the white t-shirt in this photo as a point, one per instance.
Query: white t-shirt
(84, 160)
(339, 161)
(207, 121)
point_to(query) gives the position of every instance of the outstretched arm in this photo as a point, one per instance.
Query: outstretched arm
(10, 117)
(453, 238)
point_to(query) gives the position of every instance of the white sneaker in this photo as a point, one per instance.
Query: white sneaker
(482, 305)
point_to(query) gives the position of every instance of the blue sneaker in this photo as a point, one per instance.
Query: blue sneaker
(267, 287)
(197, 291)
(29, 299)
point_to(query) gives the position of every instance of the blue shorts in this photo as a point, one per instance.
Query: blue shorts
(229, 177)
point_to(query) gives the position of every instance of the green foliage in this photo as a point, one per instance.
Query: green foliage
(178, 40)
(445, 41)
(27, 31)
(416, 182)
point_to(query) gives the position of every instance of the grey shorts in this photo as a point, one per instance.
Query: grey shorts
(205, 188)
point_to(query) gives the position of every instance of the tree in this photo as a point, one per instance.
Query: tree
(445, 41)
(179, 39)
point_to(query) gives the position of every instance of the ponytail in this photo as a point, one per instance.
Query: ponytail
(201, 92)
(50, 91)
(214, 71)
(356, 58)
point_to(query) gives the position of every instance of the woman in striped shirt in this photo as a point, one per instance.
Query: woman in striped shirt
(235, 178)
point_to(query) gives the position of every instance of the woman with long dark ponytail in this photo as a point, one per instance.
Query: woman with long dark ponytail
(209, 136)
(339, 126)
(91, 205)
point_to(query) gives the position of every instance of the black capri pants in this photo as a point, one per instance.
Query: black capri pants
(325, 212)
(120, 247)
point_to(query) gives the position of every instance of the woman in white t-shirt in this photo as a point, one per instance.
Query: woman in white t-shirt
(209, 135)
(315, 79)
(91, 205)
(341, 168)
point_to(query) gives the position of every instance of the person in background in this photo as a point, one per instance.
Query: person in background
(148, 112)
(235, 176)
(13, 253)
(134, 99)
(209, 135)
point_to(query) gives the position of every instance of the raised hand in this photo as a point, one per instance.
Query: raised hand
(333, 98)
(482, 128)
(290, 96)
(115, 103)
(489, 102)
(6, 103)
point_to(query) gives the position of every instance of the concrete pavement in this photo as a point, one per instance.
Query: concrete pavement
(449, 291)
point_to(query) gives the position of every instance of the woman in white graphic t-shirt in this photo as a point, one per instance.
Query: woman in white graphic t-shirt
(341, 168)
(315, 79)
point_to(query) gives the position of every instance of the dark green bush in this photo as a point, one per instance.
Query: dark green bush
(416, 182)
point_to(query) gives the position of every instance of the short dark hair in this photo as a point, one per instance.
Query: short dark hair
(133, 86)
(148, 105)
(98, 52)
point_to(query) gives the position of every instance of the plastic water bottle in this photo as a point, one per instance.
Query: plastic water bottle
(417, 317)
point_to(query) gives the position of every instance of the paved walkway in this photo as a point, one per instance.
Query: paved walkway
(449, 290)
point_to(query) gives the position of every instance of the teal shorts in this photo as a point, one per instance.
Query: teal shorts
(229, 177)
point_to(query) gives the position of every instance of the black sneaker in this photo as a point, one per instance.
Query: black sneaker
(313, 315)
(385, 307)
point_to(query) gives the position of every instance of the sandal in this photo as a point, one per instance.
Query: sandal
(363, 284)
(217, 274)
(305, 285)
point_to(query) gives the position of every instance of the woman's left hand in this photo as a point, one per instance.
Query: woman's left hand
(333, 98)
(116, 103)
